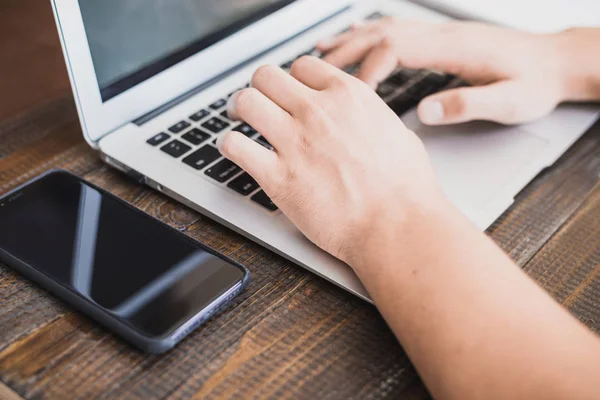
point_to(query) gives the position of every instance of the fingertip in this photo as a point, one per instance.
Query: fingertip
(231, 107)
(326, 44)
(221, 142)
(226, 144)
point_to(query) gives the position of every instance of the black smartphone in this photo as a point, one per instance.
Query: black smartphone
(137, 276)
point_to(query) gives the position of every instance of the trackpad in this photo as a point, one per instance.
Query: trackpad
(475, 161)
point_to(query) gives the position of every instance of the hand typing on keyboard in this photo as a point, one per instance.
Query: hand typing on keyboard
(345, 170)
(521, 74)
(343, 165)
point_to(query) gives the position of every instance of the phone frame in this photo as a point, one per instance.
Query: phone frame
(155, 345)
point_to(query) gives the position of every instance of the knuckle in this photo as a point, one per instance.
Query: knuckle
(349, 89)
(277, 178)
(459, 104)
(340, 81)
(387, 43)
(308, 110)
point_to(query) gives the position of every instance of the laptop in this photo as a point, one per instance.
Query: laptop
(151, 80)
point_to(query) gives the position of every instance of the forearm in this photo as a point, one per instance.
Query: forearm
(472, 322)
(578, 53)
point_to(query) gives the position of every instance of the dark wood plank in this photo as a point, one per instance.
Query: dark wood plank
(32, 66)
(568, 267)
(545, 204)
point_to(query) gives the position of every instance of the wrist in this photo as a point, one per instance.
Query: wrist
(395, 227)
(577, 65)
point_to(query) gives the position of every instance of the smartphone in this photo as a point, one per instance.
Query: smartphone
(147, 282)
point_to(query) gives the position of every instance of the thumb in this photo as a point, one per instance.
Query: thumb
(505, 102)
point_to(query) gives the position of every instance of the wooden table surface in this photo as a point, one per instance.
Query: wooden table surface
(290, 334)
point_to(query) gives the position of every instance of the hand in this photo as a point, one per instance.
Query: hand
(343, 165)
(521, 74)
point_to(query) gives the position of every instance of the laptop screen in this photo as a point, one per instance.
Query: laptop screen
(133, 40)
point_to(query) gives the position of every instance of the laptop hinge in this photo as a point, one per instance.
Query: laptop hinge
(180, 99)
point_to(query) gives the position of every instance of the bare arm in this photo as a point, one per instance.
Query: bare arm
(578, 49)
(474, 325)
(471, 321)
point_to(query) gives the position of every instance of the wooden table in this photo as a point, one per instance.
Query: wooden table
(290, 334)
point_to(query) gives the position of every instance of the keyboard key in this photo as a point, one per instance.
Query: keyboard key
(400, 78)
(196, 136)
(288, 64)
(176, 148)
(180, 126)
(402, 103)
(430, 84)
(218, 104)
(235, 91)
(245, 129)
(215, 125)
(375, 16)
(264, 142)
(223, 170)
(202, 157)
(225, 115)
(311, 52)
(243, 184)
(158, 139)
(264, 200)
(352, 69)
(200, 115)
(386, 89)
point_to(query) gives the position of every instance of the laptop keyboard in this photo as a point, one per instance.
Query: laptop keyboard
(193, 140)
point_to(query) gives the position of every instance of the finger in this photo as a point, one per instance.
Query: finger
(284, 90)
(252, 106)
(313, 72)
(378, 64)
(353, 51)
(506, 102)
(327, 44)
(248, 155)
(455, 48)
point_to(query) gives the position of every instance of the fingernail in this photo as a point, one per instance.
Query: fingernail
(432, 112)
(231, 105)
(221, 140)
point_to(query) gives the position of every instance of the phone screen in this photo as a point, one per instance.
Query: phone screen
(134, 267)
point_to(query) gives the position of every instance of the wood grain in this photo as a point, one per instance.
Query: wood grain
(290, 334)
(33, 69)
(568, 267)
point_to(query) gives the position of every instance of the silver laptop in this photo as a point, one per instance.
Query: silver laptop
(151, 79)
